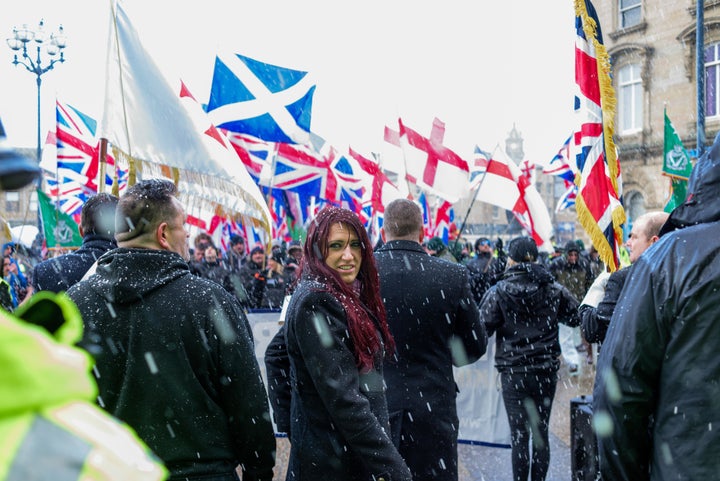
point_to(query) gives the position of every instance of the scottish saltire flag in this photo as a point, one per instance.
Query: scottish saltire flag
(598, 204)
(266, 101)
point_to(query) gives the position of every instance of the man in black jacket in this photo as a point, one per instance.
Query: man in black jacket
(435, 322)
(485, 269)
(656, 389)
(174, 352)
(598, 305)
(97, 228)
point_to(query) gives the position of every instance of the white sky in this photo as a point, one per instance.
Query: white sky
(478, 65)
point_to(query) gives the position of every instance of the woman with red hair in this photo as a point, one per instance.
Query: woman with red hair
(336, 335)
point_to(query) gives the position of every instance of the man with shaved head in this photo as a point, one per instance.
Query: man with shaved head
(599, 304)
(174, 354)
(436, 324)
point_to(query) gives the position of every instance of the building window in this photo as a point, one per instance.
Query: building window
(629, 11)
(12, 201)
(629, 99)
(33, 207)
(712, 77)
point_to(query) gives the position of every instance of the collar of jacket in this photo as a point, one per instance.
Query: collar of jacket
(405, 245)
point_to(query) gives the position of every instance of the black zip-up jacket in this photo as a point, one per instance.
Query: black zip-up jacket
(177, 363)
(524, 309)
(59, 273)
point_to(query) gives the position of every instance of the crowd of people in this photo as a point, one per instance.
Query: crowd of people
(360, 374)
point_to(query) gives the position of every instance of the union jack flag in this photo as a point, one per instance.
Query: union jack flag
(568, 198)
(428, 227)
(560, 165)
(598, 204)
(444, 219)
(253, 152)
(324, 174)
(279, 213)
(77, 166)
(478, 167)
(381, 190)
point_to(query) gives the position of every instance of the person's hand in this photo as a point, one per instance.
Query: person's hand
(499, 244)
(259, 277)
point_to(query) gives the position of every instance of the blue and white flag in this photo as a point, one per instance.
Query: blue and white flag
(269, 102)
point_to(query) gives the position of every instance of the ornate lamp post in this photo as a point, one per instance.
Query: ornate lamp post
(52, 46)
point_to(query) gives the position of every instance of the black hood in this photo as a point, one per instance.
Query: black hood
(128, 275)
(524, 286)
(702, 204)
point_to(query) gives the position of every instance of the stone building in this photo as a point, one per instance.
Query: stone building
(651, 44)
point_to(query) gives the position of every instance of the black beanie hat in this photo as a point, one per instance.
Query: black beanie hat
(522, 249)
(572, 246)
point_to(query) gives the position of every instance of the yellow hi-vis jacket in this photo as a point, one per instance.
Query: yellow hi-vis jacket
(50, 428)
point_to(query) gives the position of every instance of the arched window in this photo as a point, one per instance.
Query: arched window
(634, 206)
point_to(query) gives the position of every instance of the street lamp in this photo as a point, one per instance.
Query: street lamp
(51, 46)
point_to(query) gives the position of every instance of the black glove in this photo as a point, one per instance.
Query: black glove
(499, 244)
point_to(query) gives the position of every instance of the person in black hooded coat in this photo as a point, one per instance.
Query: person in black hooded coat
(657, 376)
(524, 310)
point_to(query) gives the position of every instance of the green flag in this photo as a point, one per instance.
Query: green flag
(676, 165)
(60, 229)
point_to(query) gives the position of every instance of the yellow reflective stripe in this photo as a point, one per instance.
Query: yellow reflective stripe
(48, 452)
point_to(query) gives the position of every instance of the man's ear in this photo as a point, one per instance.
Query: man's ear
(421, 236)
(81, 230)
(161, 235)
(382, 234)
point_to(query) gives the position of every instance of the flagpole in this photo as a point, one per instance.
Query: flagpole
(700, 76)
(103, 165)
(472, 203)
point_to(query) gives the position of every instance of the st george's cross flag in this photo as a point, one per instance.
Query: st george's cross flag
(266, 101)
(504, 185)
(432, 166)
(598, 204)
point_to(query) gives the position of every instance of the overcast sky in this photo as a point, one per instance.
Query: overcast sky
(477, 65)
